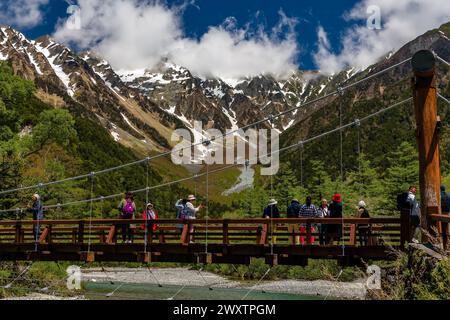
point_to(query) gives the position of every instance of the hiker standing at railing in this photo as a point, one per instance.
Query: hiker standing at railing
(293, 211)
(335, 230)
(271, 211)
(363, 229)
(323, 212)
(127, 209)
(191, 214)
(38, 214)
(150, 216)
(415, 214)
(445, 201)
(308, 210)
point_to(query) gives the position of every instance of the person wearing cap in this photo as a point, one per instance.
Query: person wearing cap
(191, 213)
(149, 215)
(363, 229)
(335, 208)
(37, 209)
(293, 212)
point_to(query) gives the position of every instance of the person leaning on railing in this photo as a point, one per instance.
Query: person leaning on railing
(323, 212)
(271, 211)
(308, 210)
(293, 212)
(37, 209)
(363, 229)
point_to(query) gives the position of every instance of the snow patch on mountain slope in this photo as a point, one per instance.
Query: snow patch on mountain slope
(65, 79)
(34, 62)
(129, 123)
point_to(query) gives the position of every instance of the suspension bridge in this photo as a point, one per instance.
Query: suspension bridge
(237, 241)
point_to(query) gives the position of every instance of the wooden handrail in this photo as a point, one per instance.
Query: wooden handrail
(381, 220)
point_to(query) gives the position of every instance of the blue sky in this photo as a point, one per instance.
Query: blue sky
(232, 38)
(205, 13)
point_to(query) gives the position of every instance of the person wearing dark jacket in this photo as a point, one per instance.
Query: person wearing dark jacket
(271, 211)
(335, 208)
(37, 209)
(293, 212)
(445, 201)
(363, 229)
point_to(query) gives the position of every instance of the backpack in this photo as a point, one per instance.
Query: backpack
(128, 209)
(402, 201)
(183, 214)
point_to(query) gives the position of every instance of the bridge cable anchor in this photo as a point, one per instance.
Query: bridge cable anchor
(340, 91)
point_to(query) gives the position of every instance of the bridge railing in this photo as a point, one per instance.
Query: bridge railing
(283, 231)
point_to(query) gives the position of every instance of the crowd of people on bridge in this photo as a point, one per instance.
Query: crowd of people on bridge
(328, 233)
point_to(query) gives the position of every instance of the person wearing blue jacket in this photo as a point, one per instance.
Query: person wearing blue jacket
(37, 209)
(293, 211)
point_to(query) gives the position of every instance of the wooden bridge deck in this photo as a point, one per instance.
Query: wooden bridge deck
(234, 241)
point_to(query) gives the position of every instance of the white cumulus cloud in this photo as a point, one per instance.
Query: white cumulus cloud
(401, 21)
(133, 34)
(21, 13)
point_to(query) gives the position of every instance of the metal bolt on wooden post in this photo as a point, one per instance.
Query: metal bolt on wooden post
(427, 133)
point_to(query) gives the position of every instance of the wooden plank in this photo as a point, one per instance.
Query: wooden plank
(44, 234)
(18, 232)
(225, 239)
(264, 231)
(352, 240)
(111, 235)
(185, 234)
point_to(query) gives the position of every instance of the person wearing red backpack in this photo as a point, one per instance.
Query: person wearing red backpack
(149, 215)
(127, 209)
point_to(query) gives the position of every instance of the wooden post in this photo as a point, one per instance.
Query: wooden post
(225, 232)
(405, 227)
(81, 232)
(18, 232)
(427, 132)
(308, 232)
(352, 241)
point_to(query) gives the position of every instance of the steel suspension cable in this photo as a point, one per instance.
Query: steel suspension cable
(147, 190)
(296, 145)
(269, 118)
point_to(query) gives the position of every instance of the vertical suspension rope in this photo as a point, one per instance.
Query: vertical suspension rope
(37, 227)
(207, 206)
(102, 204)
(342, 175)
(358, 126)
(301, 163)
(147, 189)
(271, 214)
(341, 143)
(92, 177)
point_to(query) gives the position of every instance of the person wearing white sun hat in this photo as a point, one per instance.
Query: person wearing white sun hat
(191, 212)
(363, 229)
(271, 211)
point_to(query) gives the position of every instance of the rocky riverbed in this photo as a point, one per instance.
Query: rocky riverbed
(195, 278)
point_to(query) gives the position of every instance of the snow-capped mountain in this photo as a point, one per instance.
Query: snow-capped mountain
(141, 108)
